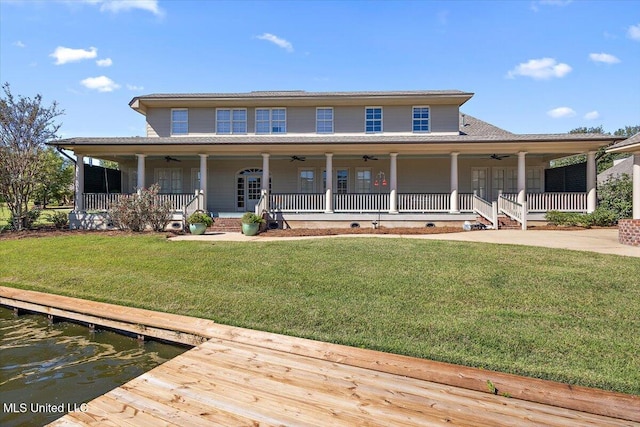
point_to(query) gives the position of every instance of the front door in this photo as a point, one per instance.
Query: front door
(252, 190)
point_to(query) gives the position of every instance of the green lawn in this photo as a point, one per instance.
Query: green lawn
(554, 314)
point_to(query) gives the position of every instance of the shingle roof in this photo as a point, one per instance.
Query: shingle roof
(622, 167)
(472, 126)
(627, 143)
(303, 94)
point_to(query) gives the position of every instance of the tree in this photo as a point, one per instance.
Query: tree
(25, 127)
(57, 184)
(616, 195)
(604, 160)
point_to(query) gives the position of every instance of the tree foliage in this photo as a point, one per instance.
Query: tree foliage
(604, 160)
(616, 195)
(25, 127)
(58, 183)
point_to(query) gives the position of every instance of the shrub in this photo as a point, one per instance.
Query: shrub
(59, 219)
(251, 218)
(137, 211)
(28, 219)
(603, 217)
(200, 217)
(616, 195)
(563, 218)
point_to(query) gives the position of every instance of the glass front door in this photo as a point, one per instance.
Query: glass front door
(252, 190)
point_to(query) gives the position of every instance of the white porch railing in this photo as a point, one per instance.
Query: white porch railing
(196, 203)
(103, 201)
(568, 202)
(487, 210)
(413, 202)
(465, 202)
(513, 209)
(293, 202)
(356, 202)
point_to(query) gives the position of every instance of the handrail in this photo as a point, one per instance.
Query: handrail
(513, 209)
(188, 209)
(486, 210)
(261, 206)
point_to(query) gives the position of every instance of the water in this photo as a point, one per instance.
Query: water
(47, 370)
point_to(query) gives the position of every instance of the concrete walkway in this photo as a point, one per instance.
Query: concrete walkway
(594, 240)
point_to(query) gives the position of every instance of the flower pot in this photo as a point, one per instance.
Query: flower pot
(197, 228)
(250, 229)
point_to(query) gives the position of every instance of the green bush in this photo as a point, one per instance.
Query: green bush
(616, 195)
(601, 217)
(564, 218)
(138, 211)
(59, 219)
(28, 219)
(251, 218)
(200, 217)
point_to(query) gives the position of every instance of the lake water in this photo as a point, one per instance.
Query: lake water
(47, 370)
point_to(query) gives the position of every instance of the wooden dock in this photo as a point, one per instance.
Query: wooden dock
(246, 377)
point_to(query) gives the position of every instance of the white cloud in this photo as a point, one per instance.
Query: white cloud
(101, 84)
(592, 115)
(603, 57)
(107, 62)
(561, 112)
(116, 6)
(277, 41)
(134, 87)
(634, 32)
(66, 54)
(540, 69)
(19, 44)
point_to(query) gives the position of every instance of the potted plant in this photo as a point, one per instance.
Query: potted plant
(198, 222)
(251, 223)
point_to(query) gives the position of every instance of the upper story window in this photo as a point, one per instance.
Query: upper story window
(231, 120)
(421, 119)
(324, 120)
(373, 119)
(179, 121)
(271, 120)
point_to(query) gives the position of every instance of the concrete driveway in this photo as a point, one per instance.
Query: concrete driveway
(594, 240)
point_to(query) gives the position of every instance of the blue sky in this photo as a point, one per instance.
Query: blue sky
(535, 66)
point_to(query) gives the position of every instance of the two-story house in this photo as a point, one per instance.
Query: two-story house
(338, 158)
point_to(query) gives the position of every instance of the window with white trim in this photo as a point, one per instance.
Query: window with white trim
(534, 180)
(421, 119)
(169, 180)
(363, 180)
(179, 121)
(307, 182)
(373, 119)
(324, 120)
(230, 121)
(271, 120)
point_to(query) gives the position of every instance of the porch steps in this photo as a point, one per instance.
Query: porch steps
(226, 225)
(504, 222)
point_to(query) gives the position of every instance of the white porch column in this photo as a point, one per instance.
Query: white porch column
(636, 186)
(453, 206)
(79, 183)
(265, 179)
(203, 180)
(522, 177)
(328, 201)
(591, 182)
(393, 183)
(141, 183)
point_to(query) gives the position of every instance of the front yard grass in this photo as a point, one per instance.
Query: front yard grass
(561, 315)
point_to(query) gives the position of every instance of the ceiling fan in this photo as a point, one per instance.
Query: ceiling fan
(171, 159)
(498, 157)
(368, 157)
(298, 158)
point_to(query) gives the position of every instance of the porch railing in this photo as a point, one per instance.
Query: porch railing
(103, 201)
(357, 202)
(568, 202)
(513, 209)
(413, 202)
(465, 202)
(486, 210)
(293, 202)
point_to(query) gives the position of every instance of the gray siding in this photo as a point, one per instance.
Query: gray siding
(347, 119)
(444, 118)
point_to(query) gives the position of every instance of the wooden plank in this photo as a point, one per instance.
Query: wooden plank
(522, 390)
(584, 399)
